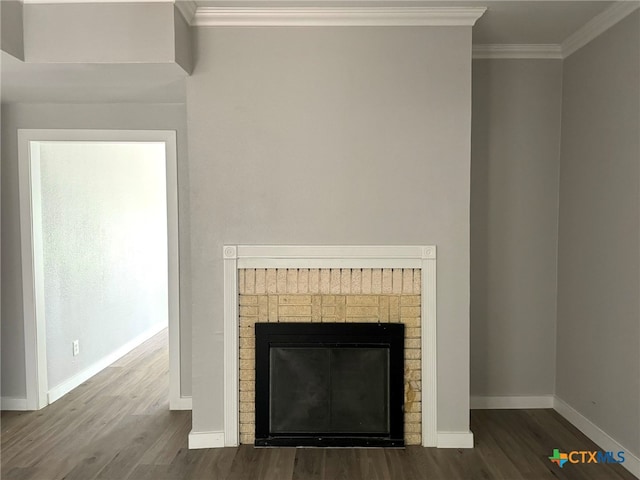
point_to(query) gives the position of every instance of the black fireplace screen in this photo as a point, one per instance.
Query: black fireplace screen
(329, 384)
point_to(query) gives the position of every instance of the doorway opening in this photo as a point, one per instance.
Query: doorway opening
(99, 253)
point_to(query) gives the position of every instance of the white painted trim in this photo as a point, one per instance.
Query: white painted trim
(206, 440)
(36, 2)
(595, 433)
(333, 254)
(33, 305)
(598, 25)
(12, 403)
(173, 264)
(38, 271)
(303, 256)
(455, 440)
(336, 16)
(182, 403)
(231, 352)
(511, 402)
(429, 346)
(309, 16)
(316, 256)
(589, 31)
(79, 378)
(505, 51)
(34, 327)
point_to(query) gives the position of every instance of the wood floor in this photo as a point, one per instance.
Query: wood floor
(118, 426)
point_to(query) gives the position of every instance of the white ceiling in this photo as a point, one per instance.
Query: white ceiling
(505, 22)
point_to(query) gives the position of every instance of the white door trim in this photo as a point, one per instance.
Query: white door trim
(281, 256)
(32, 278)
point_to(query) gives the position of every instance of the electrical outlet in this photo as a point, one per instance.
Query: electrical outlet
(76, 347)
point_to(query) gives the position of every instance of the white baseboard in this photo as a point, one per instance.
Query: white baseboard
(455, 440)
(180, 403)
(595, 433)
(511, 401)
(79, 378)
(206, 440)
(12, 403)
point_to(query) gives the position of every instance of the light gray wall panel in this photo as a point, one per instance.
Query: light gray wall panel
(331, 136)
(99, 33)
(514, 225)
(598, 351)
(12, 333)
(183, 42)
(12, 39)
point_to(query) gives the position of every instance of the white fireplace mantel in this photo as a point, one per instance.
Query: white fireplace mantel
(281, 256)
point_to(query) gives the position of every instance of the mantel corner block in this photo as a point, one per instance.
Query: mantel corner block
(429, 252)
(230, 252)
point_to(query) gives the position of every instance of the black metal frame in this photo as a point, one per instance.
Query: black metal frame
(331, 335)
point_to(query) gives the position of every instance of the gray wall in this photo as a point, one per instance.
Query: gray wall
(598, 351)
(11, 39)
(100, 33)
(117, 116)
(331, 136)
(514, 225)
(182, 41)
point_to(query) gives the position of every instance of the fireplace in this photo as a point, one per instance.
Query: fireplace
(328, 285)
(329, 384)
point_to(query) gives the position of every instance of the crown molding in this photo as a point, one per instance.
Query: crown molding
(598, 25)
(336, 16)
(591, 30)
(497, 51)
(188, 9)
(104, 2)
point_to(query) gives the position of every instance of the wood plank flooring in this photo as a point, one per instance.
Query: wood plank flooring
(117, 426)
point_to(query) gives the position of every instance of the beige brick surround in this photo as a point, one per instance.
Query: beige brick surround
(324, 296)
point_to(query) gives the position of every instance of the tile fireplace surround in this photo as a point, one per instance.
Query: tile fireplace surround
(330, 284)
